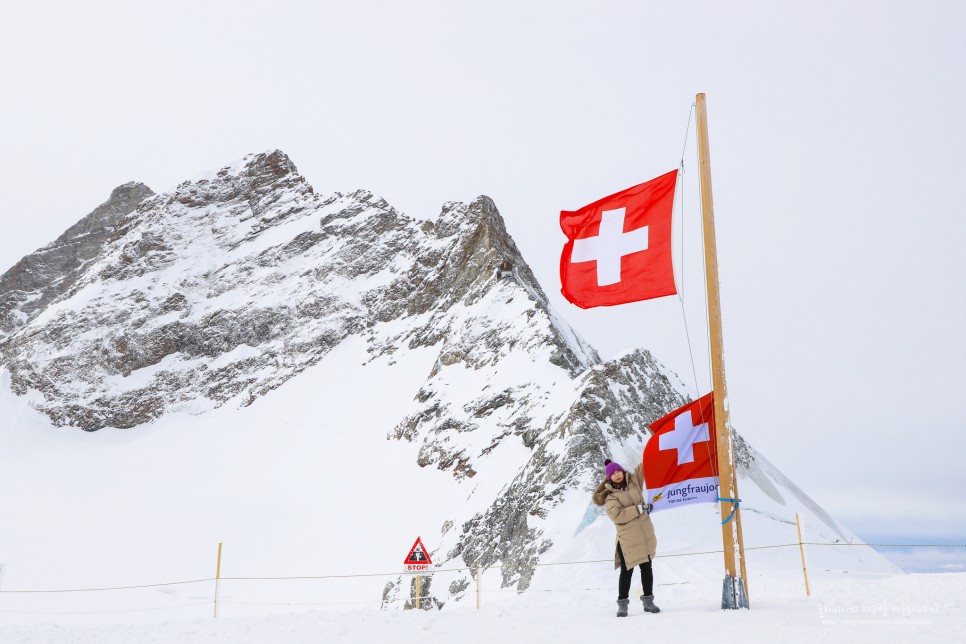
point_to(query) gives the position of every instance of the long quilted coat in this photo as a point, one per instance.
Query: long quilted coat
(635, 532)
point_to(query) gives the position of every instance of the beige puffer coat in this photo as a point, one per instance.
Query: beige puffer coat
(635, 532)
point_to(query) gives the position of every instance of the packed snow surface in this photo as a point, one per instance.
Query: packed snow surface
(902, 608)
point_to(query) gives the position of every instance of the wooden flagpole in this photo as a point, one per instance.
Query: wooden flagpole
(735, 593)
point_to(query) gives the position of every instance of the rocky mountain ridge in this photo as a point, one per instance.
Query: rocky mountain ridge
(234, 283)
(193, 276)
(44, 275)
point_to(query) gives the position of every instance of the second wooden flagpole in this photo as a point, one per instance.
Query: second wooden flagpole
(734, 594)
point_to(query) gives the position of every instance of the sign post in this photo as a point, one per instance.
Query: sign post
(416, 561)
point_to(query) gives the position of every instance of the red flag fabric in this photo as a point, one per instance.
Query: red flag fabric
(618, 248)
(680, 458)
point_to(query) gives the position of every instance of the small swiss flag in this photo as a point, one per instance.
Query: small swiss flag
(619, 248)
(680, 458)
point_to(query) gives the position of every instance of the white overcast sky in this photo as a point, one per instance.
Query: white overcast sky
(836, 141)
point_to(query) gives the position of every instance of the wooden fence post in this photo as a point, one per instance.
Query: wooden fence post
(217, 579)
(801, 549)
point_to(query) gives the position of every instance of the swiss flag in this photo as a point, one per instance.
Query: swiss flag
(619, 248)
(680, 458)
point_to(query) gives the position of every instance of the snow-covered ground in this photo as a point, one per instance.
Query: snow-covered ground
(297, 487)
(896, 608)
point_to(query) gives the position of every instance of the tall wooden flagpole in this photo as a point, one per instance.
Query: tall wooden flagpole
(735, 589)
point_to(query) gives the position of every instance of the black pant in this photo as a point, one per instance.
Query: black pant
(624, 583)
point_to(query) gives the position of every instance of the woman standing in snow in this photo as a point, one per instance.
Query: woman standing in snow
(622, 496)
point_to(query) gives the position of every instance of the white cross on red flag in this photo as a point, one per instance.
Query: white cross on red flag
(618, 248)
(680, 457)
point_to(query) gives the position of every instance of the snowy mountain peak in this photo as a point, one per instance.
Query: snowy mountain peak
(430, 340)
(238, 280)
(257, 176)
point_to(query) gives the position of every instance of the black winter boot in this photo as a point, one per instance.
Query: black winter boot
(622, 607)
(649, 607)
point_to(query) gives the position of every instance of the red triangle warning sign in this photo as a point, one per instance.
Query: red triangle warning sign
(418, 555)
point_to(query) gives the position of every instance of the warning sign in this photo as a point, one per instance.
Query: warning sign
(418, 558)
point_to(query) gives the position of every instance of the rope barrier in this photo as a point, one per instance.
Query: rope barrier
(778, 545)
(369, 601)
(432, 571)
(887, 545)
(92, 590)
(421, 573)
(101, 612)
(574, 590)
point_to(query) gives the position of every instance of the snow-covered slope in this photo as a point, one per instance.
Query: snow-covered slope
(317, 380)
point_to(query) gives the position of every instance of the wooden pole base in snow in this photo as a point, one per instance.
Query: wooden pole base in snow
(733, 594)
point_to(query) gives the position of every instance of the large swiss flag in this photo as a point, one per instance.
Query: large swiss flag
(619, 248)
(680, 458)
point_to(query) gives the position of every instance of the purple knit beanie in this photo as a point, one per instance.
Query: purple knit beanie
(611, 468)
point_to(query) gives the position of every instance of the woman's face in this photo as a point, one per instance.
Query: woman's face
(617, 477)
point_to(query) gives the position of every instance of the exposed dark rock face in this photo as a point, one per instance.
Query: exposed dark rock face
(41, 277)
(617, 400)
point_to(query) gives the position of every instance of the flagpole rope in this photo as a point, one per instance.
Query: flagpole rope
(687, 333)
(688, 129)
(704, 300)
(684, 315)
(684, 148)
